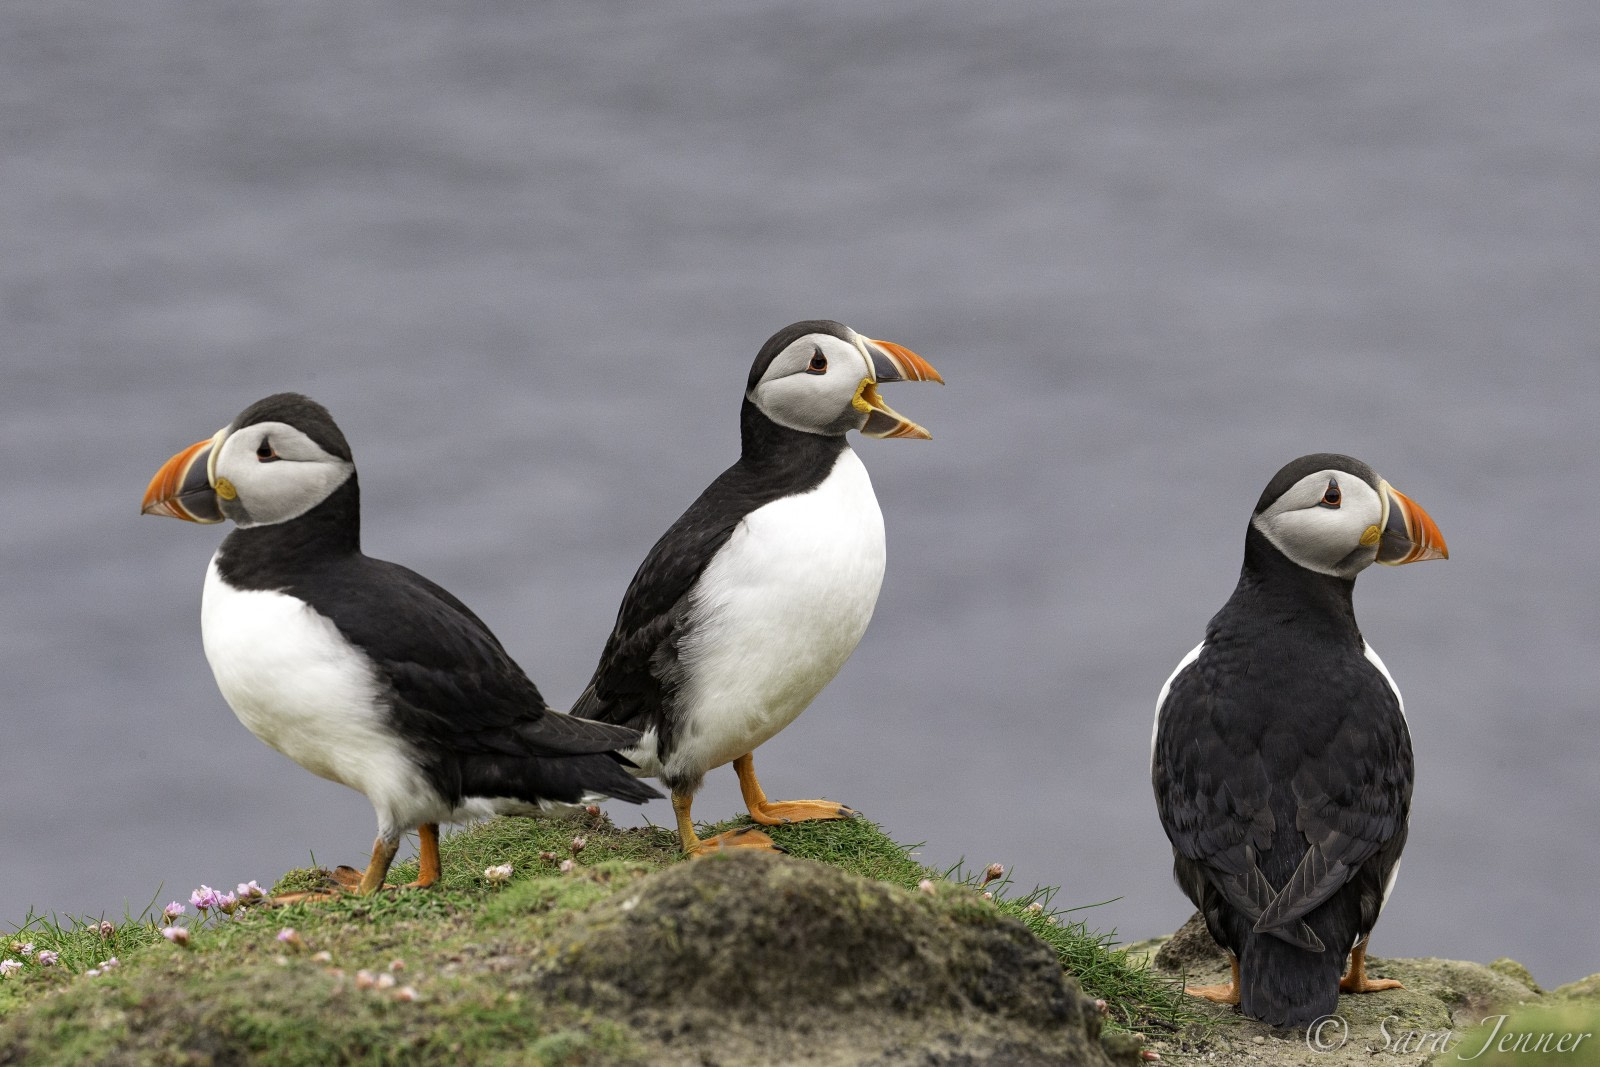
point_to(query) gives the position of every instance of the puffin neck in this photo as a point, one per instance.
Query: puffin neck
(765, 444)
(332, 528)
(1272, 579)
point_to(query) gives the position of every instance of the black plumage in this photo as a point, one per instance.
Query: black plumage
(1283, 774)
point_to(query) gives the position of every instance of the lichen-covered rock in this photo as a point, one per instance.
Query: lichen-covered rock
(1437, 1011)
(746, 957)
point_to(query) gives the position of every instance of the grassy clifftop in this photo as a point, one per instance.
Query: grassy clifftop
(855, 954)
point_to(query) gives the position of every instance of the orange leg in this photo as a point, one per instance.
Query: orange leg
(1219, 994)
(774, 813)
(748, 837)
(1357, 981)
(349, 880)
(427, 856)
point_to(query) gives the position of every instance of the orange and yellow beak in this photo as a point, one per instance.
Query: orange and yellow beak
(891, 363)
(1409, 533)
(182, 487)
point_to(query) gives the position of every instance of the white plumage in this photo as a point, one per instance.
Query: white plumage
(777, 613)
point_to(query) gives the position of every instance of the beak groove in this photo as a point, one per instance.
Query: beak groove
(897, 363)
(181, 489)
(1409, 533)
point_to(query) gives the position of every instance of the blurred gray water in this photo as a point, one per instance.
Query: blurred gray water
(525, 254)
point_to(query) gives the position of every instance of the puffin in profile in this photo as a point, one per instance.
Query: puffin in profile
(362, 671)
(1280, 757)
(751, 602)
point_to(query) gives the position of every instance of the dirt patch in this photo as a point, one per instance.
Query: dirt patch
(751, 958)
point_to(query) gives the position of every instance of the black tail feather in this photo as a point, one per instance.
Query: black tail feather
(566, 779)
(1282, 985)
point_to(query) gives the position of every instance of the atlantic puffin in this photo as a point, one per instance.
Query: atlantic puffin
(1280, 756)
(362, 671)
(754, 598)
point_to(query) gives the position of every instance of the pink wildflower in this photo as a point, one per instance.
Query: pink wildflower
(249, 890)
(566, 866)
(178, 935)
(204, 898)
(7, 966)
(47, 958)
(171, 912)
(993, 871)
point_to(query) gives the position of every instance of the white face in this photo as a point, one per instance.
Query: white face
(1329, 522)
(270, 472)
(813, 385)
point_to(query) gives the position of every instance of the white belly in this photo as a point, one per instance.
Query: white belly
(298, 685)
(777, 613)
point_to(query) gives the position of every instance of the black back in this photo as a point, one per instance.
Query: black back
(1283, 773)
(478, 722)
(639, 675)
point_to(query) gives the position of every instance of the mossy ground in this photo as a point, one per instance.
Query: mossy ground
(456, 955)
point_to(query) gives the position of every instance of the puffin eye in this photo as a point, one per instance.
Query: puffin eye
(1331, 498)
(818, 364)
(265, 452)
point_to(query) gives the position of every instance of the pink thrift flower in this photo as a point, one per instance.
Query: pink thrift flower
(498, 875)
(405, 994)
(993, 871)
(579, 844)
(228, 902)
(1035, 908)
(106, 929)
(926, 886)
(172, 911)
(365, 979)
(291, 937)
(593, 809)
(249, 890)
(204, 898)
(566, 866)
(27, 950)
(178, 935)
(47, 958)
(7, 966)
(385, 981)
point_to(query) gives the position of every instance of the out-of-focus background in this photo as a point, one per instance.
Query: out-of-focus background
(525, 253)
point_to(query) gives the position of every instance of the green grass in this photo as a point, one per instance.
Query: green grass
(458, 946)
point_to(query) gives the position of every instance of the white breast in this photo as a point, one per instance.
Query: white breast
(776, 614)
(298, 685)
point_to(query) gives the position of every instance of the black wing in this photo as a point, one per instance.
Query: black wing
(638, 675)
(474, 715)
(1279, 798)
(637, 679)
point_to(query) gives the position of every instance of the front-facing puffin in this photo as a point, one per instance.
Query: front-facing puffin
(362, 671)
(751, 602)
(1281, 760)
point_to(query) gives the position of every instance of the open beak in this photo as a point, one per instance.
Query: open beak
(182, 488)
(1409, 533)
(891, 363)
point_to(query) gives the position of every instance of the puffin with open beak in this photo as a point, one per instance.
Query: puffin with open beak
(362, 671)
(1280, 756)
(754, 598)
